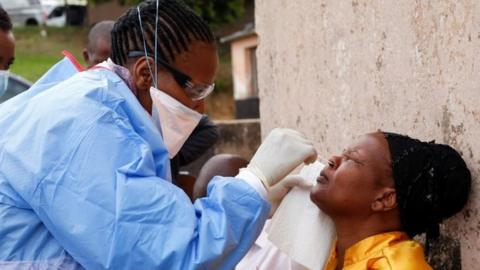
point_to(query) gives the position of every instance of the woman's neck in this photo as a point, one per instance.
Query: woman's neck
(352, 231)
(346, 237)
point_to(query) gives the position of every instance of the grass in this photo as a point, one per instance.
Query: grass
(37, 52)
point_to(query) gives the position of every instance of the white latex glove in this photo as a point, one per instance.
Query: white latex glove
(277, 192)
(279, 154)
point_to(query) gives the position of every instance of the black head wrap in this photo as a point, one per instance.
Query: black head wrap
(432, 183)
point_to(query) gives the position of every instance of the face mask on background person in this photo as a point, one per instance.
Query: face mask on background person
(4, 75)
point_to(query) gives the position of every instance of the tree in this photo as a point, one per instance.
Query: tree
(218, 11)
(215, 12)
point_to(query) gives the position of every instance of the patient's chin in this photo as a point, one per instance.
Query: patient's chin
(317, 195)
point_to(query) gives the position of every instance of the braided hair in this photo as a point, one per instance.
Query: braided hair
(432, 183)
(5, 22)
(177, 27)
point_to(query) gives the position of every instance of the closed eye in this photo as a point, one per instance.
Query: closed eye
(348, 157)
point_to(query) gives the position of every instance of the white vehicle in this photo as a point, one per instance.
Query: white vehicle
(56, 12)
(24, 12)
(62, 12)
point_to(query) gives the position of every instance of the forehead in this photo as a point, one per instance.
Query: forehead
(200, 61)
(372, 147)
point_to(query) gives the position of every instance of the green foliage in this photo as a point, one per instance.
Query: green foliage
(215, 12)
(218, 12)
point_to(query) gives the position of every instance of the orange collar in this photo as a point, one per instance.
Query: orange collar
(371, 245)
(74, 60)
(368, 248)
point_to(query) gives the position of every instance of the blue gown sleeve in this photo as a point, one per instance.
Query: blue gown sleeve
(103, 202)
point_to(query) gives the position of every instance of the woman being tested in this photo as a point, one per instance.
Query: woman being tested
(84, 158)
(385, 189)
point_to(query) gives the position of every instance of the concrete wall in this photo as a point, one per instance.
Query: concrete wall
(240, 137)
(241, 50)
(338, 69)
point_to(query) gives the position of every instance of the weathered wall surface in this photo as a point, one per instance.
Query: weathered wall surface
(338, 69)
(239, 137)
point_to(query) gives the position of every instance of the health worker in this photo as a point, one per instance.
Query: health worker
(84, 158)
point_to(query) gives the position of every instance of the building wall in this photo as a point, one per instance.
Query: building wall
(242, 66)
(239, 137)
(339, 69)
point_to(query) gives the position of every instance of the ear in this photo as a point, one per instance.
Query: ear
(141, 74)
(85, 56)
(385, 201)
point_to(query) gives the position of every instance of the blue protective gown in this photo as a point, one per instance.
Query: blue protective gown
(84, 183)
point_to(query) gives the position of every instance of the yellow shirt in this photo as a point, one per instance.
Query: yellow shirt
(386, 251)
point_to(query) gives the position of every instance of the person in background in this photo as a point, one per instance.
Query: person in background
(99, 44)
(382, 191)
(7, 49)
(203, 137)
(218, 165)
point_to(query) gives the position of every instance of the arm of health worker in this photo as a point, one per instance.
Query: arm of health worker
(109, 210)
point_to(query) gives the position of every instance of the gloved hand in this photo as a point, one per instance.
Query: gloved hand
(281, 152)
(277, 192)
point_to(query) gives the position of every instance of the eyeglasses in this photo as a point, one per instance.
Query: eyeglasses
(194, 91)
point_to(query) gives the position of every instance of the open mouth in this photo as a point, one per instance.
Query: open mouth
(322, 178)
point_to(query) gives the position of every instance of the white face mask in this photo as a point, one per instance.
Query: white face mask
(175, 120)
(4, 75)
